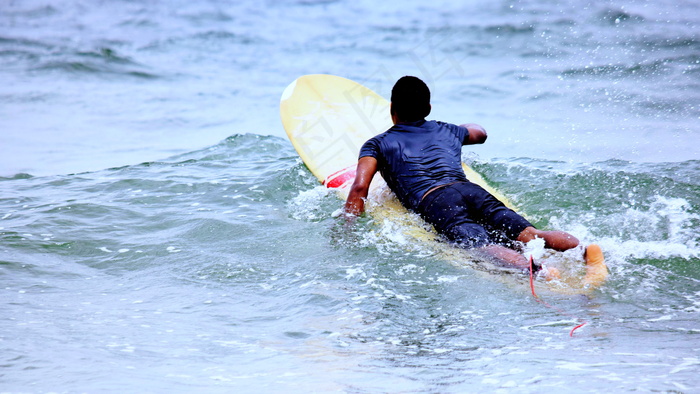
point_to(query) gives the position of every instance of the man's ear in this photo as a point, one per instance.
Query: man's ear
(394, 117)
(430, 108)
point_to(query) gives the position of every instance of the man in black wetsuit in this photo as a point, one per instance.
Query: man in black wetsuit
(421, 162)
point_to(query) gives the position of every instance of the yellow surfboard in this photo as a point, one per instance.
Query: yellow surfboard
(328, 118)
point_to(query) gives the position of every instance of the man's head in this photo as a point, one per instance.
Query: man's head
(410, 99)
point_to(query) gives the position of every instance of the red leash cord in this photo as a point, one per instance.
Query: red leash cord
(541, 301)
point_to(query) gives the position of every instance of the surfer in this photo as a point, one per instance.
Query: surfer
(421, 162)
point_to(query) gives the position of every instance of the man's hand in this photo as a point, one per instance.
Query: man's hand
(355, 204)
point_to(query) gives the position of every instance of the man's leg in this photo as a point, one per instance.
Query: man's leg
(510, 258)
(451, 210)
(502, 256)
(557, 240)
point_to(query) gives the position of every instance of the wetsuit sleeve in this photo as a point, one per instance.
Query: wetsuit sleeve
(370, 148)
(462, 133)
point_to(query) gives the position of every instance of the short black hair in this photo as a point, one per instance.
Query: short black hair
(410, 99)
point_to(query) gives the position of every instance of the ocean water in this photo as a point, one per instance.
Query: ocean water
(158, 232)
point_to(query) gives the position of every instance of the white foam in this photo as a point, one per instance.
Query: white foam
(535, 248)
(448, 279)
(689, 363)
(665, 228)
(352, 272)
(662, 318)
(307, 204)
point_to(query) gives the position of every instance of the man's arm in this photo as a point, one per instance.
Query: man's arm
(366, 168)
(477, 134)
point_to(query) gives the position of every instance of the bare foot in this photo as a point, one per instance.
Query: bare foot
(596, 270)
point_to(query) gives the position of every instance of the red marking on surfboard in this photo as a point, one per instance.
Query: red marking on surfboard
(340, 178)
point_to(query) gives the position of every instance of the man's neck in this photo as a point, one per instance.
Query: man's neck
(409, 122)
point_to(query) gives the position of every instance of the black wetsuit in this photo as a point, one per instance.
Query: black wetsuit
(416, 157)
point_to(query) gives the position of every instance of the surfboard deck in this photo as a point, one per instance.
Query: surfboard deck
(328, 118)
